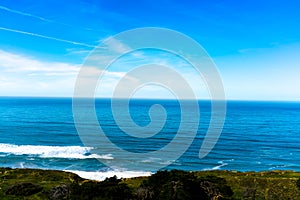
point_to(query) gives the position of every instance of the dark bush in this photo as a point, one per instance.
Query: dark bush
(23, 189)
(175, 185)
(110, 188)
(216, 186)
(298, 183)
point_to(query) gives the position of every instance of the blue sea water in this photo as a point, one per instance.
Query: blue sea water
(40, 133)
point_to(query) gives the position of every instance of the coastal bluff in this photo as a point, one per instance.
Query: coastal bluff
(174, 184)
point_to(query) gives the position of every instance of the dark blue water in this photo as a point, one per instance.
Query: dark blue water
(40, 133)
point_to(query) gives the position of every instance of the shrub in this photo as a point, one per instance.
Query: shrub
(176, 184)
(110, 188)
(23, 189)
(298, 183)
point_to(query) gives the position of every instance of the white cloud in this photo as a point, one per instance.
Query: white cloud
(116, 46)
(23, 75)
(10, 62)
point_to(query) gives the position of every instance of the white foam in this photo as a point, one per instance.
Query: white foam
(222, 164)
(72, 152)
(100, 176)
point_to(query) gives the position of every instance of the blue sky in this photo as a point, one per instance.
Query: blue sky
(255, 44)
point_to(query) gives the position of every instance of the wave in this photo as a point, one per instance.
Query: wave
(100, 176)
(71, 152)
(222, 163)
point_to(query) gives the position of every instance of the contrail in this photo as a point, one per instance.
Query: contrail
(43, 19)
(47, 37)
(25, 14)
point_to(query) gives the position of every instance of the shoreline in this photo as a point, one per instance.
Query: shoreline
(43, 184)
(101, 176)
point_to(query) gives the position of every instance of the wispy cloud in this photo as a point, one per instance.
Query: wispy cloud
(23, 75)
(24, 14)
(46, 37)
(116, 46)
(26, 75)
(16, 63)
(43, 18)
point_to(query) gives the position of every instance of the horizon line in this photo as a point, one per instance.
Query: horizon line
(143, 98)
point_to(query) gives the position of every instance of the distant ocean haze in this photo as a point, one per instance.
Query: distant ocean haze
(40, 133)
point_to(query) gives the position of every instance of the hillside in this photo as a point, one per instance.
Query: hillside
(50, 184)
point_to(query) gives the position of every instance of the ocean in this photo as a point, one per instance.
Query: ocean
(40, 133)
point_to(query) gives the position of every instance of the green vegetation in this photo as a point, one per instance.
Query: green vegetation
(35, 184)
(166, 185)
(182, 185)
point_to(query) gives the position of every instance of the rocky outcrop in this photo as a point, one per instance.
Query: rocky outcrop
(60, 192)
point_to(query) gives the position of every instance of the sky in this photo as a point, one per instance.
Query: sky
(254, 44)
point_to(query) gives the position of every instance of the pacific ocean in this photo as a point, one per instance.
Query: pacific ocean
(40, 133)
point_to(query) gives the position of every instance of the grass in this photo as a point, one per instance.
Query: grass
(260, 185)
(245, 185)
(46, 179)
